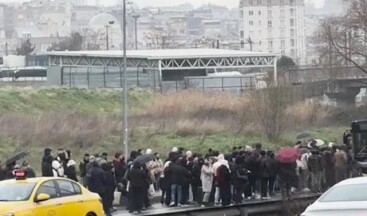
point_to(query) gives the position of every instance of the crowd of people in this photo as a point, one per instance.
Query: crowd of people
(185, 177)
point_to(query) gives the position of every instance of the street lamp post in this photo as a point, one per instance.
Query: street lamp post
(136, 17)
(107, 45)
(107, 32)
(125, 95)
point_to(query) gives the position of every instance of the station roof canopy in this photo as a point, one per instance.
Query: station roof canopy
(165, 59)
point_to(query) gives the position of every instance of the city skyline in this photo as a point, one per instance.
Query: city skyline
(195, 3)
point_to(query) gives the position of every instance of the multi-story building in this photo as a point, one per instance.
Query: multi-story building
(275, 26)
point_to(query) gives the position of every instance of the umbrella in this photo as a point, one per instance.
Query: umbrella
(287, 155)
(143, 159)
(16, 157)
(318, 143)
(303, 135)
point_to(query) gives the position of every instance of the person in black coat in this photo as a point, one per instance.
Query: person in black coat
(252, 164)
(273, 171)
(224, 183)
(180, 176)
(240, 179)
(264, 174)
(195, 180)
(110, 184)
(287, 175)
(70, 171)
(138, 181)
(29, 172)
(97, 184)
(83, 169)
(47, 170)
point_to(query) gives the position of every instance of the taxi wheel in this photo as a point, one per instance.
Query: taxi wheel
(91, 214)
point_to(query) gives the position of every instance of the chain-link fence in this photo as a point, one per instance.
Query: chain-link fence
(109, 77)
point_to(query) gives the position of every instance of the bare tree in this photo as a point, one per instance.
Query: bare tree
(344, 38)
(270, 107)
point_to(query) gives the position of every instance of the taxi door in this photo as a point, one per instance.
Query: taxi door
(71, 198)
(51, 207)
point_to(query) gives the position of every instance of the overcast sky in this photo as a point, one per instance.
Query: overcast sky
(196, 3)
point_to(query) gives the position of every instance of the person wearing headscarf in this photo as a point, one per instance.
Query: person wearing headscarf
(70, 171)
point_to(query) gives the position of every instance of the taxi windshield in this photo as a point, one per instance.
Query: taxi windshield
(11, 192)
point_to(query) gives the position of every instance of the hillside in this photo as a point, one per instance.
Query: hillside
(90, 121)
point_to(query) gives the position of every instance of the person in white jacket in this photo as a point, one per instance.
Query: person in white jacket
(57, 168)
(207, 174)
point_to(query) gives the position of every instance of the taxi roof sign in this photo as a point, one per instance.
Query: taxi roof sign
(20, 174)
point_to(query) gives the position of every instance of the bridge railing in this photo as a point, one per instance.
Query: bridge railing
(314, 74)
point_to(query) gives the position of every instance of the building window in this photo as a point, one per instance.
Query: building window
(260, 22)
(242, 34)
(281, 13)
(292, 11)
(282, 43)
(251, 2)
(258, 2)
(270, 13)
(270, 24)
(269, 2)
(282, 52)
(291, 2)
(241, 14)
(270, 44)
(251, 13)
(260, 13)
(281, 2)
(282, 22)
(292, 22)
(293, 42)
(292, 33)
(251, 23)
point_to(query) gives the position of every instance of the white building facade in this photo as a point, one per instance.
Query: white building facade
(275, 26)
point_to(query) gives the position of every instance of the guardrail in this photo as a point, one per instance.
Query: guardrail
(272, 207)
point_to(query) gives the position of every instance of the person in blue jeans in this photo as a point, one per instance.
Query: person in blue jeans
(179, 177)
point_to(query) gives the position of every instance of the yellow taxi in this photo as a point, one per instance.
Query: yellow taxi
(47, 197)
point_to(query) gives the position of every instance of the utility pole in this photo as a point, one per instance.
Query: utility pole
(125, 95)
(136, 17)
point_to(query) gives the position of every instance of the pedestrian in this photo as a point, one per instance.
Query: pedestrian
(70, 171)
(110, 185)
(216, 165)
(46, 155)
(340, 164)
(287, 176)
(97, 184)
(2, 172)
(329, 169)
(206, 176)
(224, 183)
(83, 169)
(47, 170)
(252, 164)
(179, 177)
(58, 168)
(137, 177)
(315, 167)
(264, 174)
(273, 171)
(240, 180)
(28, 170)
(195, 180)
